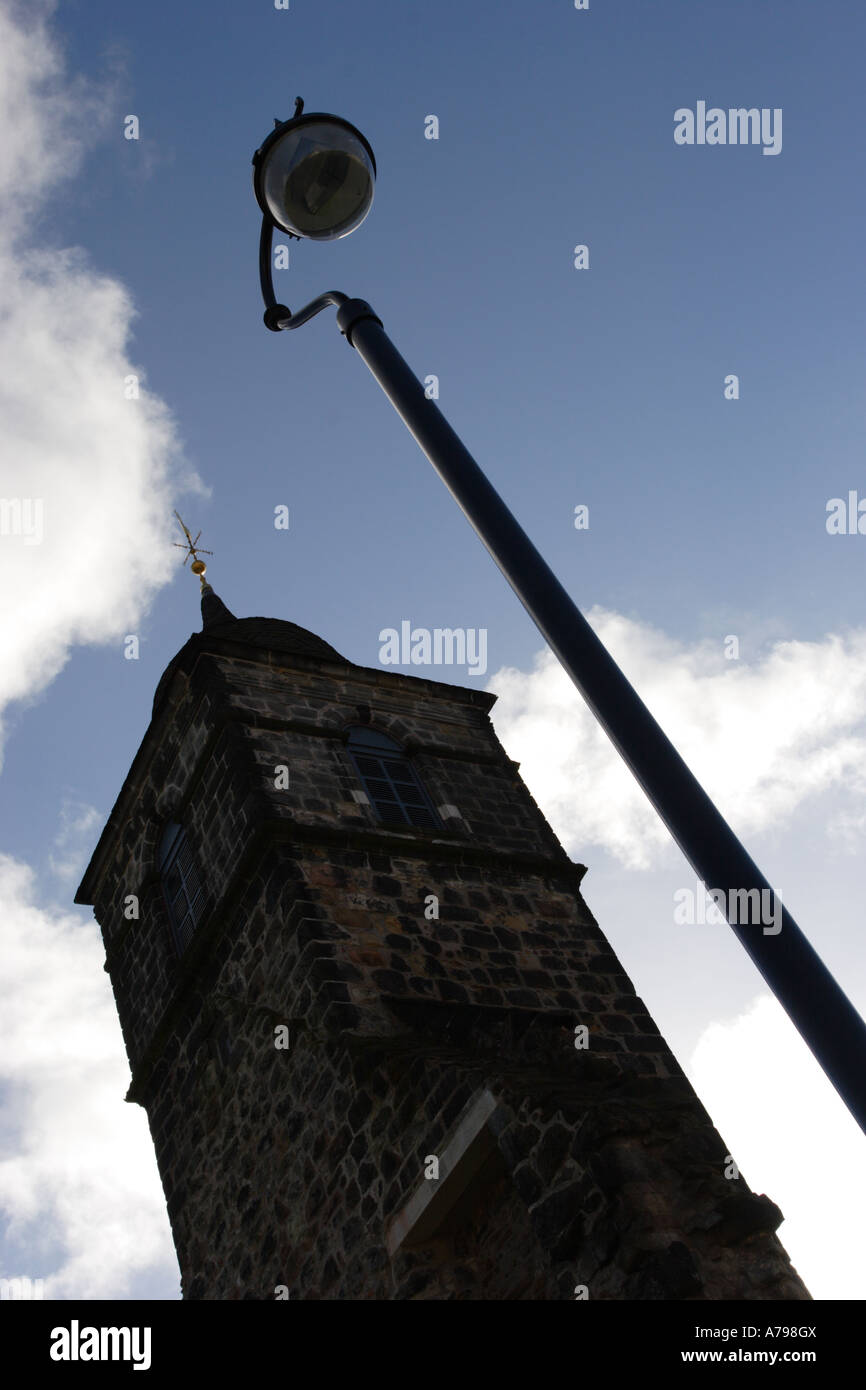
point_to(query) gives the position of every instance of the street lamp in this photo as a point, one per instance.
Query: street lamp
(314, 178)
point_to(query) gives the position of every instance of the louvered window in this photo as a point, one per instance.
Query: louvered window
(390, 781)
(181, 885)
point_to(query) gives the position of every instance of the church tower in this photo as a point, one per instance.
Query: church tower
(384, 1048)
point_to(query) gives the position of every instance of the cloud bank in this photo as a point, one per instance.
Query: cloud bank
(762, 737)
(88, 478)
(812, 1172)
(99, 470)
(78, 1184)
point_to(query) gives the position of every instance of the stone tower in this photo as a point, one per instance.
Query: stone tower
(384, 1048)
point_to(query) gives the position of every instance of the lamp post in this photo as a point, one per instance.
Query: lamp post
(314, 178)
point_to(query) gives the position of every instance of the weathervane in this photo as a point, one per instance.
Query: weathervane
(192, 550)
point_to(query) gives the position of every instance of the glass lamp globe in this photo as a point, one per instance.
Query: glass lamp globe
(316, 178)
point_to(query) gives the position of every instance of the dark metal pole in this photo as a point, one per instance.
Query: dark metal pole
(814, 1002)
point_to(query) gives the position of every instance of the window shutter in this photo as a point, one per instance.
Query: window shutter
(390, 781)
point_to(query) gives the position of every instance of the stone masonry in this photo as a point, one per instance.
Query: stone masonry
(299, 1170)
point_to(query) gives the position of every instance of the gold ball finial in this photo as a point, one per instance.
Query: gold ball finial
(192, 551)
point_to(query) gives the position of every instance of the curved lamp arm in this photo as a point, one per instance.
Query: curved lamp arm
(279, 316)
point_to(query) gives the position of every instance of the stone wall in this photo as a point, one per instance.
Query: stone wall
(287, 1166)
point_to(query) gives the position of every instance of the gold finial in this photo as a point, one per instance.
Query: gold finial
(192, 549)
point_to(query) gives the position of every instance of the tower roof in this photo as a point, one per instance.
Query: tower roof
(219, 624)
(278, 633)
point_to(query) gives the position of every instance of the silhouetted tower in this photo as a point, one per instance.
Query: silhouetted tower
(349, 953)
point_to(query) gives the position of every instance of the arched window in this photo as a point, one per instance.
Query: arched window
(389, 779)
(181, 885)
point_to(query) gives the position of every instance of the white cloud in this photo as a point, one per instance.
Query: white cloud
(758, 1080)
(100, 473)
(762, 737)
(103, 470)
(79, 1188)
(45, 113)
(74, 841)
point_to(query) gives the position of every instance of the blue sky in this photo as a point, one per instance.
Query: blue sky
(602, 386)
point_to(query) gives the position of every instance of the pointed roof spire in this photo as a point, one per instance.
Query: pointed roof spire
(213, 610)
